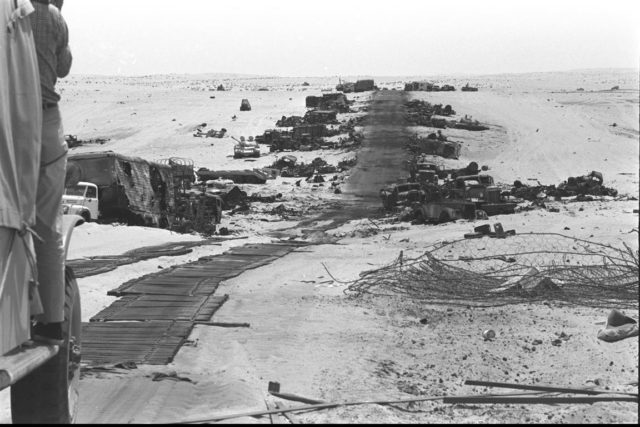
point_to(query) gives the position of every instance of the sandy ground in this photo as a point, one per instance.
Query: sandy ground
(305, 333)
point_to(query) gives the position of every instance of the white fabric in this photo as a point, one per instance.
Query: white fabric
(20, 116)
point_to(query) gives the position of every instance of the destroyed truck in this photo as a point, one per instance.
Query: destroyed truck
(403, 194)
(481, 190)
(129, 189)
(364, 85)
(446, 149)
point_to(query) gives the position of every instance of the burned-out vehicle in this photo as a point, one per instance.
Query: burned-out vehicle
(467, 123)
(446, 149)
(130, 189)
(481, 190)
(364, 85)
(401, 194)
(328, 101)
(585, 184)
(444, 210)
(321, 116)
(426, 171)
(467, 88)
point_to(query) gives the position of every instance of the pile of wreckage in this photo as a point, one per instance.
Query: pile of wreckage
(434, 194)
(358, 86)
(201, 132)
(288, 166)
(467, 88)
(329, 101)
(73, 141)
(427, 87)
(437, 145)
(581, 187)
(310, 132)
(421, 113)
(464, 193)
(467, 123)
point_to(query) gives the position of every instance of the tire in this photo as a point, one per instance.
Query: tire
(444, 217)
(49, 395)
(86, 216)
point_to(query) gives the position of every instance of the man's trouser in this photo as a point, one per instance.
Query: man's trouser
(50, 251)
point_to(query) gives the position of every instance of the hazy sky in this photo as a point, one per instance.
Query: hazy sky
(351, 37)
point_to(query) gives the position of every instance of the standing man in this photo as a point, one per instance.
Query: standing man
(54, 60)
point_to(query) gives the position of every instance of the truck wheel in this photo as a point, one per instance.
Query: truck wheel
(86, 216)
(49, 395)
(444, 217)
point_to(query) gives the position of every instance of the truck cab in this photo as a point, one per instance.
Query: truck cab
(401, 194)
(81, 199)
(482, 190)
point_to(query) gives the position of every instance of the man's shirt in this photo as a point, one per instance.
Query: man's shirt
(52, 45)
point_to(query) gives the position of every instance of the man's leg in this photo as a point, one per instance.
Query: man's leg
(50, 252)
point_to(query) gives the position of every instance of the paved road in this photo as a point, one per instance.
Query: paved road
(381, 161)
(382, 157)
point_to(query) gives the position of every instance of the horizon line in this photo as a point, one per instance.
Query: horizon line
(272, 76)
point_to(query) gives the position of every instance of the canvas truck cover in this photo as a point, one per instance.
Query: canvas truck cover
(20, 128)
(20, 116)
(127, 183)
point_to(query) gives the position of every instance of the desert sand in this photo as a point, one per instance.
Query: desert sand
(305, 333)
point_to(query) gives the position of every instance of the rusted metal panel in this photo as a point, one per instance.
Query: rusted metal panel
(154, 342)
(160, 307)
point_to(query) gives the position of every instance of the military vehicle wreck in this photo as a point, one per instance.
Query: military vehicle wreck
(364, 85)
(447, 149)
(426, 86)
(581, 187)
(130, 189)
(405, 194)
(329, 101)
(138, 192)
(467, 123)
(481, 190)
(346, 87)
(238, 176)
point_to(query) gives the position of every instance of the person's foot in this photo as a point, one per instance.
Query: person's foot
(47, 333)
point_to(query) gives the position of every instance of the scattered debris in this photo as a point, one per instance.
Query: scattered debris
(73, 141)
(171, 376)
(200, 132)
(587, 273)
(488, 334)
(467, 88)
(427, 87)
(619, 327)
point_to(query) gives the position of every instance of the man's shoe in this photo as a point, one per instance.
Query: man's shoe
(47, 333)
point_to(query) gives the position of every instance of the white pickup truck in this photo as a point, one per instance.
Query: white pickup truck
(81, 199)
